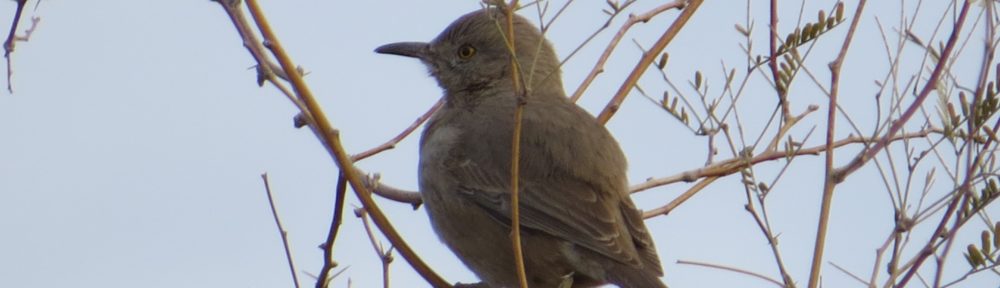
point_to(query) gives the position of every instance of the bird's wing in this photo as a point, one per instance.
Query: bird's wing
(584, 203)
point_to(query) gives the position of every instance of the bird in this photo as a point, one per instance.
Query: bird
(579, 228)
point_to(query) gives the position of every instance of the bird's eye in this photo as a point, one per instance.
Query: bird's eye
(466, 51)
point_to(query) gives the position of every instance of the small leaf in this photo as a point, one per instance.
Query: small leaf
(815, 31)
(996, 231)
(913, 38)
(985, 240)
(821, 21)
(742, 30)
(839, 11)
(614, 5)
(807, 32)
(697, 80)
(785, 68)
(997, 74)
(763, 187)
(783, 78)
(975, 258)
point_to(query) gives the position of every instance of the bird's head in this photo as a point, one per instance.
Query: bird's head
(473, 54)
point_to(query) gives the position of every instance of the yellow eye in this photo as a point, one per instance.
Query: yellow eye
(466, 51)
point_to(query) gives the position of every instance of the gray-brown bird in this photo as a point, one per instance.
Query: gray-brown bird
(579, 226)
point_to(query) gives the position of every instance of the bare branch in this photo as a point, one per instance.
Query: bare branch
(402, 135)
(733, 165)
(281, 230)
(741, 271)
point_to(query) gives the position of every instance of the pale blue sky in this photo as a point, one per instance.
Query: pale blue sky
(132, 148)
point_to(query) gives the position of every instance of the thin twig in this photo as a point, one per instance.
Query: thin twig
(632, 20)
(281, 230)
(383, 255)
(406, 132)
(773, 64)
(761, 217)
(665, 209)
(733, 165)
(8, 45)
(731, 269)
(646, 60)
(849, 274)
(991, 268)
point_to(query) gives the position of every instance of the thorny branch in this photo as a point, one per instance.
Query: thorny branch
(328, 135)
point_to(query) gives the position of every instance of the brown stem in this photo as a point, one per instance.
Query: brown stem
(331, 236)
(515, 148)
(281, 230)
(330, 138)
(831, 179)
(773, 64)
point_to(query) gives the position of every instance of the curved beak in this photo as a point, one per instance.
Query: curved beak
(408, 49)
